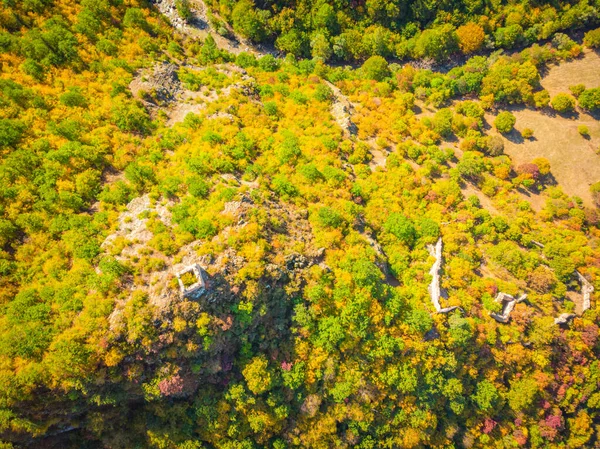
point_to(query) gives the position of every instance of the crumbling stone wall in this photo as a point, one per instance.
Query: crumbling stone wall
(508, 304)
(435, 290)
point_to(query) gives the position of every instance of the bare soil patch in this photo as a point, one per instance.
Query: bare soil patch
(585, 70)
(486, 202)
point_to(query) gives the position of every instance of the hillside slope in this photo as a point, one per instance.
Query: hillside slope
(388, 258)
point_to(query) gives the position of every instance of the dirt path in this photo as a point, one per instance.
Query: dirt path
(199, 27)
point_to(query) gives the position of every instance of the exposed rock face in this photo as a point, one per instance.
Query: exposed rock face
(169, 10)
(195, 290)
(586, 295)
(132, 225)
(162, 80)
(159, 88)
(342, 110)
(508, 304)
(434, 287)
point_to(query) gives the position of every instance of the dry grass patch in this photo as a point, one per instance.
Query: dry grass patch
(573, 159)
(585, 70)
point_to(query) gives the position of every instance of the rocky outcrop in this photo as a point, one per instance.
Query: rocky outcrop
(132, 226)
(508, 304)
(341, 110)
(435, 290)
(161, 82)
(580, 307)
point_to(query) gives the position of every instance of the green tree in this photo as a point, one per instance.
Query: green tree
(375, 68)
(436, 43)
(249, 22)
(257, 375)
(522, 394)
(592, 38)
(486, 395)
(402, 228)
(590, 99)
(505, 122)
(562, 103)
(471, 165)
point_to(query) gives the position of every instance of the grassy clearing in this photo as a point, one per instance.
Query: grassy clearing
(585, 70)
(573, 159)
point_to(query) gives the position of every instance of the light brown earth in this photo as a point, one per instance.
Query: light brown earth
(585, 70)
(573, 159)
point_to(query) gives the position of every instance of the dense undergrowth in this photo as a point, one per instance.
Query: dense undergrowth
(324, 334)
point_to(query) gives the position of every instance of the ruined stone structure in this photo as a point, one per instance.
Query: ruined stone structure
(508, 304)
(434, 287)
(564, 318)
(586, 291)
(198, 288)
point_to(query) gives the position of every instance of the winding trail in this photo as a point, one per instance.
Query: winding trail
(199, 26)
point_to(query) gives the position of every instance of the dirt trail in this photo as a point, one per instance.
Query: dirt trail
(199, 26)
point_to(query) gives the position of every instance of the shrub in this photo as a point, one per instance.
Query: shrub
(327, 217)
(563, 42)
(592, 38)
(529, 169)
(577, 90)
(283, 187)
(541, 99)
(184, 10)
(402, 228)
(495, 145)
(543, 165)
(246, 60)
(271, 108)
(590, 99)
(527, 133)
(198, 187)
(442, 122)
(134, 17)
(562, 103)
(505, 122)
(595, 189)
(583, 130)
(268, 63)
(323, 93)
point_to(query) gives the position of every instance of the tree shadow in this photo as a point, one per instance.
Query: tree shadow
(594, 114)
(514, 136)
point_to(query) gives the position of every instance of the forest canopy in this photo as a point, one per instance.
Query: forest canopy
(355, 30)
(379, 267)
